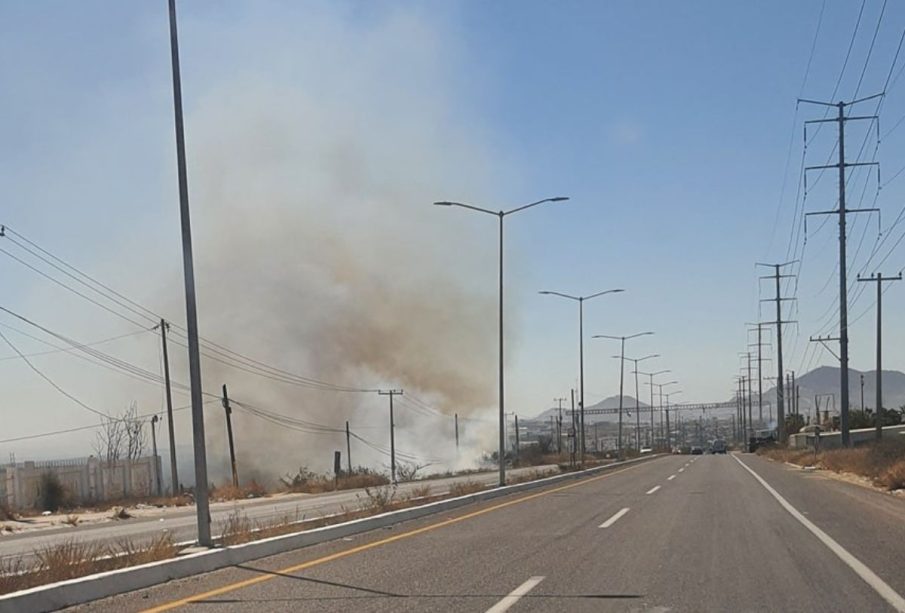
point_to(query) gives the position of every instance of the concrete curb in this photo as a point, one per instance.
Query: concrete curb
(93, 587)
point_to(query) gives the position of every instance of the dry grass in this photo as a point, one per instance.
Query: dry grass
(461, 488)
(71, 520)
(74, 559)
(533, 475)
(231, 492)
(883, 463)
(310, 483)
(420, 491)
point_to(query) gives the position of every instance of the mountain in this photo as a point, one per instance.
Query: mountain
(824, 381)
(612, 402)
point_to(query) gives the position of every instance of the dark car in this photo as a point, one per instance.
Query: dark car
(697, 451)
(718, 446)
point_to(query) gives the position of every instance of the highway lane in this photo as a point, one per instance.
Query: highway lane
(180, 522)
(712, 538)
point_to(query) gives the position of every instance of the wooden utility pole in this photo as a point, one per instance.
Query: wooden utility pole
(174, 474)
(229, 433)
(154, 421)
(392, 393)
(348, 449)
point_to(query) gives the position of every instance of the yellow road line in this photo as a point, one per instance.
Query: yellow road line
(348, 552)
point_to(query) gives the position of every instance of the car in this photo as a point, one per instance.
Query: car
(697, 450)
(718, 446)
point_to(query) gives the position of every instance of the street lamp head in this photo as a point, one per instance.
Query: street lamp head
(559, 198)
(443, 203)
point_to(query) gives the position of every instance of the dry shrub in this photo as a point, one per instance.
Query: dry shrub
(236, 529)
(883, 463)
(420, 491)
(71, 520)
(461, 488)
(893, 478)
(307, 482)
(377, 499)
(74, 559)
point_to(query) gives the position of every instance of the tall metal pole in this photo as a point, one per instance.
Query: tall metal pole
(581, 372)
(637, 411)
(621, 381)
(202, 506)
(760, 378)
(878, 422)
(780, 394)
(502, 400)
(174, 474)
(843, 286)
(652, 444)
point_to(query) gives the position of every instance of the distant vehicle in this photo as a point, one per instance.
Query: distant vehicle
(697, 450)
(718, 446)
(646, 450)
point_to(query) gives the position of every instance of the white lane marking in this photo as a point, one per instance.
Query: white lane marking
(653, 489)
(880, 586)
(681, 470)
(614, 518)
(514, 596)
(670, 477)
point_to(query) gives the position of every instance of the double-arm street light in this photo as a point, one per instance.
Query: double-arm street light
(668, 394)
(622, 340)
(660, 387)
(580, 300)
(501, 215)
(651, 384)
(637, 401)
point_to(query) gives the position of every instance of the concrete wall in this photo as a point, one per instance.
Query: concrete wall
(86, 479)
(833, 440)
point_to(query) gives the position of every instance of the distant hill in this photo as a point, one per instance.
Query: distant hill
(612, 402)
(825, 380)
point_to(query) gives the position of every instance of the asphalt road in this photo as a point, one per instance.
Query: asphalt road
(180, 522)
(674, 534)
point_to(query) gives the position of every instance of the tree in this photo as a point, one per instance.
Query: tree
(121, 437)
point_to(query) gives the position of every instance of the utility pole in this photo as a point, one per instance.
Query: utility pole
(174, 475)
(456, 421)
(229, 433)
(878, 278)
(154, 421)
(392, 393)
(202, 504)
(348, 449)
(749, 419)
(516, 438)
(559, 401)
(841, 212)
(574, 441)
(778, 299)
(760, 375)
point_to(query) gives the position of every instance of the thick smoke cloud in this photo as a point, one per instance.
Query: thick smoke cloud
(313, 163)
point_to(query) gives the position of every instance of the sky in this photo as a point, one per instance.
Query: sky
(318, 134)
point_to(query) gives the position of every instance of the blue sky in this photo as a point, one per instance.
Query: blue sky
(670, 125)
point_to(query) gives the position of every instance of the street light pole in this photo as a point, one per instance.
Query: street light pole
(621, 340)
(637, 400)
(651, 384)
(202, 507)
(500, 215)
(580, 300)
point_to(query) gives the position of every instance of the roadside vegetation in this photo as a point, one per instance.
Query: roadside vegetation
(74, 559)
(882, 463)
